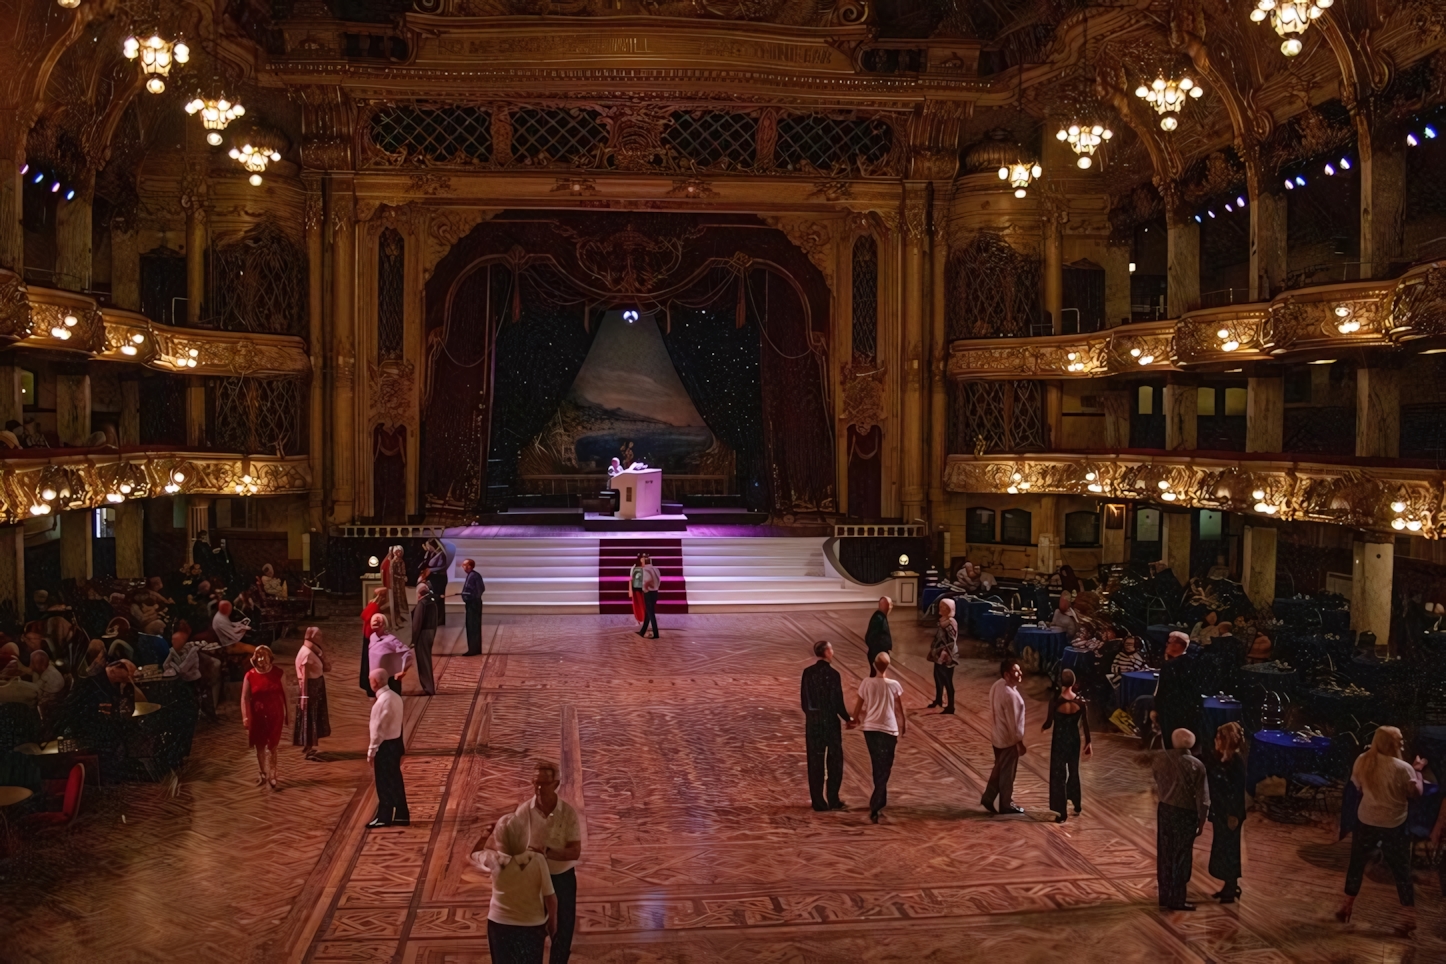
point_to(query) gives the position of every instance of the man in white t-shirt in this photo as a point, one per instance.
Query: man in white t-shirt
(881, 708)
(1007, 707)
(554, 830)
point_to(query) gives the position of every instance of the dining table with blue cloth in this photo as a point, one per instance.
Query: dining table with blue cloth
(1269, 676)
(1135, 684)
(996, 625)
(931, 593)
(1279, 753)
(1048, 643)
(970, 610)
(1159, 634)
(1079, 660)
(1217, 712)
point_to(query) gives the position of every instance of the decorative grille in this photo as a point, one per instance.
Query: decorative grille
(714, 138)
(163, 286)
(391, 282)
(541, 136)
(163, 411)
(256, 415)
(458, 134)
(1008, 416)
(809, 142)
(1328, 430)
(993, 290)
(259, 283)
(866, 297)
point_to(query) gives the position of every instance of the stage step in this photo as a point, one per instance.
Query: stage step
(587, 574)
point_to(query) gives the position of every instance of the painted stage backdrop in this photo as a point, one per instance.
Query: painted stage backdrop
(627, 402)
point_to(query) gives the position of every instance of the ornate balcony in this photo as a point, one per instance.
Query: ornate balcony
(1304, 325)
(1386, 499)
(91, 478)
(58, 320)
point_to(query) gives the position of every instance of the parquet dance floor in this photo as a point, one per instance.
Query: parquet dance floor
(686, 755)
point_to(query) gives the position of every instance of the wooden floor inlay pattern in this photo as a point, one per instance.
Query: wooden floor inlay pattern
(686, 754)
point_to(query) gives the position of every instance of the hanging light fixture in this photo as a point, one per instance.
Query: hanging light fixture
(216, 112)
(68, 4)
(1020, 175)
(1289, 18)
(255, 159)
(1085, 140)
(1167, 96)
(156, 55)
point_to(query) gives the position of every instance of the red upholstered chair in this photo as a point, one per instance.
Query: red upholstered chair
(71, 808)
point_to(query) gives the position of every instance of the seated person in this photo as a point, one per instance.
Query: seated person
(119, 638)
(32, 640)
(10, 437)
(49, 681)
(967, 578)
(1128, 660)
(17, 689)
(1205, 629)
(272, 586)
(1261, 649)
(1064, 617)
(94, 662)
(231, 635)
(148, 607)
(190, 661)
(10, 665)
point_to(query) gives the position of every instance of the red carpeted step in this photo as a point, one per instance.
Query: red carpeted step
(616, 558)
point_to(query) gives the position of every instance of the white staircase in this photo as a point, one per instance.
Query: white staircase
(560, 575)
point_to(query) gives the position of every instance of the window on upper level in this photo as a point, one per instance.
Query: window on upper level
(1016, 528)
(979, 525)
(1082, 528)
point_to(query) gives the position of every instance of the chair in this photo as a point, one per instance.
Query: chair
(70, 808)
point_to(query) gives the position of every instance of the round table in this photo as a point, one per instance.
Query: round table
(1217, 712)
(9, 796)
(39, 749)
(969, 612)
(1269, 676)
(1076, 659)
(1048, 643)
(1279, 753)
(1135, 684)
(996, 625)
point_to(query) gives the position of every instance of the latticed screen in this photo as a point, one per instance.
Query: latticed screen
(993, 290)
(816, 141)
(256, 415)
(711, 138)
(866, 297)
(1006, 416)
(163, 411)
(440, 134)
(258, 283)
(391, 282)
(542, 135)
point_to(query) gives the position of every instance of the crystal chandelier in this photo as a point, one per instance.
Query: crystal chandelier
(68, 4)
(254, 159)
(1289, 17)
(1167, 97)
(1085, 140)
(216, 112)
(156, 57)
(1019, 175)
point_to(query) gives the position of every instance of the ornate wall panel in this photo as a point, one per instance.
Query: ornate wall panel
(866, 298)
(391, 294)
(259, 283)
(261, 415)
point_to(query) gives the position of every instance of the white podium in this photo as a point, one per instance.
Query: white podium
(640, 493)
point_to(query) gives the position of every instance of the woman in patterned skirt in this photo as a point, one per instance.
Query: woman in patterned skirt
(312, 720)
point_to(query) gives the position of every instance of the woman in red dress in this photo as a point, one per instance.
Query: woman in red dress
(264, 711)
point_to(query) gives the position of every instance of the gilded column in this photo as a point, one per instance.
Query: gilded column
(939, 355)
(1183, 255)
(125, 265)
(1055, 210)
(916, 239)
(73, 239)
(343, 348)
(1378, 413)
(315, 343)
(130, 556)
(193, 199)
(13, 128)
(1383, 197)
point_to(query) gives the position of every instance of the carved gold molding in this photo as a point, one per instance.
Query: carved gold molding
(1386, 500)
(87, 481)
(1307, 323)
(32, 317)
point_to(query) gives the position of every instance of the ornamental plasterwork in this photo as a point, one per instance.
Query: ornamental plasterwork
(1283, 490)
(1198, 338)
(392, 393)
(1419, 303)
(445, 227)
(804, 13)
(229, 353)
(813, 237)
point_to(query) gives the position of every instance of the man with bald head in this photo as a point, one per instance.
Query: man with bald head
(385, 753)
(1184, 805)
(877, 638)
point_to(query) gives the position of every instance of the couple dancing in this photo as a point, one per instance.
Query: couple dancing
(644, 581)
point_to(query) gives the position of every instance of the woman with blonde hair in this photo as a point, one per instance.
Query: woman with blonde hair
(1225, 772)
(944, 654)
(1387, 784)
(264, 711)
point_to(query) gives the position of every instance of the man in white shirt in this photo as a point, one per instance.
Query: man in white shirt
(385, 754)
(45, 676)
(1007, 707)
(555, 831)
(228, 633)
(881, 707)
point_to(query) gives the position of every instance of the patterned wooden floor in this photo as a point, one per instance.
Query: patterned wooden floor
(687, 755)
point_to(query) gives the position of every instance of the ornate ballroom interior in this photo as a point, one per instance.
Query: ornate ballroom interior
(882, 286)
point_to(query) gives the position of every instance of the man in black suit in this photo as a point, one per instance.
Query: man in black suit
(821, 693)
(877, 637)
(1178, 703)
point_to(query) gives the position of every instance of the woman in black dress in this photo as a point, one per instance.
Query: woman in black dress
(1225, 771)
(1071, 729)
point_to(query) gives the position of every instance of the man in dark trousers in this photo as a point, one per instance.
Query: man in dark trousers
(385, 754)
(1178, 703)
(823, 706)
(877, 638)
(424, 631)
(472, 589)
